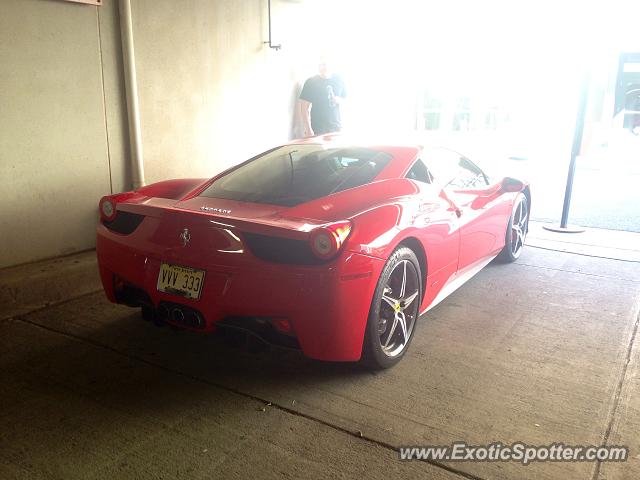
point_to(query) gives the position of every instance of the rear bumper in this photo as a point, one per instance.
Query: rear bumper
(327, 305)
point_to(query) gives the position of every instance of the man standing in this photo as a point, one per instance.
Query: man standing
(320, 101)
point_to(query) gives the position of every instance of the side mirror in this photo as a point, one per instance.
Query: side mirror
(511, 185)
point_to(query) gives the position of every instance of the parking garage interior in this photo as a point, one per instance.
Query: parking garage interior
(99, 97)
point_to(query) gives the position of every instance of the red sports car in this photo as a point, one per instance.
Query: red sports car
(323, 245)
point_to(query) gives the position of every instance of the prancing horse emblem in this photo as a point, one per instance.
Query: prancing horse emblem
(185, 236)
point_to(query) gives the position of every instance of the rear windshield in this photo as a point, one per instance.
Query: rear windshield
(295, 174)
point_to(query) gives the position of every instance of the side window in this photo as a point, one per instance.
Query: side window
(419, 172)
(453, 170)
(469, 176)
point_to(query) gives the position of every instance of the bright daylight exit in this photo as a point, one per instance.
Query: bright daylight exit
(503, 80)
(319, 239)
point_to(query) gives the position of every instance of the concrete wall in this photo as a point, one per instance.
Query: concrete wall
(211, 94)
(54, 152)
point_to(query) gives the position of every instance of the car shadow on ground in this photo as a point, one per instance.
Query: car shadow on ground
(225, 360)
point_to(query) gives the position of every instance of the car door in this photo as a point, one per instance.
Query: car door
(437, 227)
(476, 200)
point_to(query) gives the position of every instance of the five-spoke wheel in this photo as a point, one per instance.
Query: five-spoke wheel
(394, 310)
(516, 230)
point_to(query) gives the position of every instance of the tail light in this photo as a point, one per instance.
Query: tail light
(327, 241)
(108, 208)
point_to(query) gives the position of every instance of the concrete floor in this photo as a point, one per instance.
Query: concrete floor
(541, 351)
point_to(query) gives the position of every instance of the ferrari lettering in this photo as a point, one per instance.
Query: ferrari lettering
(216, 210)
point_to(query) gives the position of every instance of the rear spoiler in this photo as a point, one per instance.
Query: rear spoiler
(281, 226)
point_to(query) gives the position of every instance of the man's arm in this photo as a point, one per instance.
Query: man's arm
(305, 115)
(341, 92)
(337, 100)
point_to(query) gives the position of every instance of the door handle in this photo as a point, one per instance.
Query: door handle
(455, 209)
(452, 206)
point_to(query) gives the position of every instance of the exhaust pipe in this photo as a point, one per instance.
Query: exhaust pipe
(177, 315)
(194, 319)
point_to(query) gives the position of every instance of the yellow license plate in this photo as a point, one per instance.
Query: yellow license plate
(183, 281)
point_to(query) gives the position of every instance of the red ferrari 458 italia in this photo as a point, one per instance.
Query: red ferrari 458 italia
(322, 245)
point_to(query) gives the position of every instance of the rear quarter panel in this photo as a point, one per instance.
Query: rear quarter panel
(418, 218)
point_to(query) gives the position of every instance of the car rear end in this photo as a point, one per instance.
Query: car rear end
(264, 247)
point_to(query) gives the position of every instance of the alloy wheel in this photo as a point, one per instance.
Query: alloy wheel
(398, 308)
(519, 227)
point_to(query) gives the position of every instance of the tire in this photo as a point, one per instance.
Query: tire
(394, 311)
(517, 230)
